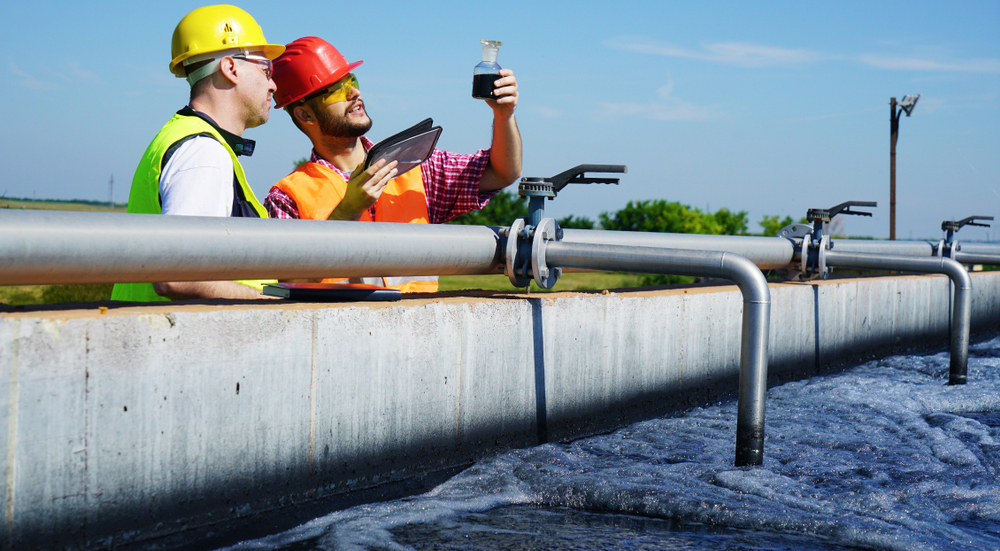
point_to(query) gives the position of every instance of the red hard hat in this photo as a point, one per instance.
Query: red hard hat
(308, 65)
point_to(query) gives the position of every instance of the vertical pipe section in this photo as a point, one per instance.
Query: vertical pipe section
(961, 310)
(756, 314)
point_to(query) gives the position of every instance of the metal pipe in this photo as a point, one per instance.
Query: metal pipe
(895, 248)
(768, 253)
(756, 314)
(991, 252)
(52, 247)
(967, 259)
(961, 309)
(989, 249)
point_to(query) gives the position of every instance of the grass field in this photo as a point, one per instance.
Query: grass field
(59, 205)
(22, 295)
(580, 281)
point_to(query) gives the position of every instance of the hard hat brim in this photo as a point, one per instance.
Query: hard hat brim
(328, 81)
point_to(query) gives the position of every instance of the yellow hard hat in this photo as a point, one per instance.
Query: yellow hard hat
(214, 29)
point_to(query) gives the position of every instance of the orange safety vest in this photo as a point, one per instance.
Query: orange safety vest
(317, 190)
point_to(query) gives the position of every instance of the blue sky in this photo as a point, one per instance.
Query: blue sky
(768, 107)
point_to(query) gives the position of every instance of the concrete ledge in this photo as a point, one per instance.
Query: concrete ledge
(148, 424)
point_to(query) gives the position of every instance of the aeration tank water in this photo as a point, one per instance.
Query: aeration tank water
(882, 456)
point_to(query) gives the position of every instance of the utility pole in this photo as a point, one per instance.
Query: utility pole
(893, 132)
(905, 106)
(111, 191)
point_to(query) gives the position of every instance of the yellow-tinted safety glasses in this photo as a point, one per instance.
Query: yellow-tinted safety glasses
(339, 90)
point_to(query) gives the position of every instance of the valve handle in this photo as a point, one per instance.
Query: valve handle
(575, 175)
(825, 215)
(955, 225)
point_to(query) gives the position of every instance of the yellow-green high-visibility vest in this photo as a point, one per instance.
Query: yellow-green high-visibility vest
(144, 197)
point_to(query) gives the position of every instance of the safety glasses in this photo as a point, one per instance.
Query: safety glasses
(266, 64)
(339, 90)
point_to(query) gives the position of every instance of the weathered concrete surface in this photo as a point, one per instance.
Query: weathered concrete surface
(134, 425)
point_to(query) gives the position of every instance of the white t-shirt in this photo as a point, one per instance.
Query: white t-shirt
(198, 179)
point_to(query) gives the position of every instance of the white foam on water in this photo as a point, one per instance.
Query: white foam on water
(882, 456)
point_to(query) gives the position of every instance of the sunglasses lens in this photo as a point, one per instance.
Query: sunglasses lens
(339, 91)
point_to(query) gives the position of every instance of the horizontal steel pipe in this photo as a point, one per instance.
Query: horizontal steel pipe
(961, 309)
(984, 249)
(966, 258)
(768, 253)
(51, 247)
(895, 248)
(726, 265)
(988, 251)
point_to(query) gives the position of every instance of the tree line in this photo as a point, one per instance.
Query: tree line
(652, 215)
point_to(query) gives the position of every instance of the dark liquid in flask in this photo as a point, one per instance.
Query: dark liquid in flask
(482, 86)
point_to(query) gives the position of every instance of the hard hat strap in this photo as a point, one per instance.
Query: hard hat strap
(210, 67)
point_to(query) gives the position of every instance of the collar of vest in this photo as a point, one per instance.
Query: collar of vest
(240, 146)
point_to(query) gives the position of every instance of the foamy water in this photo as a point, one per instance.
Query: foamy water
(881, 456)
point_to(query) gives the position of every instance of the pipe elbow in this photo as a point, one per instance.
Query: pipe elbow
(747, 277)
(959, 276)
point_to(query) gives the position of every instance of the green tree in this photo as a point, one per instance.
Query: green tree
(502, 209)
(731, 223)
(658, 215)
(672, 217)
(576, 222)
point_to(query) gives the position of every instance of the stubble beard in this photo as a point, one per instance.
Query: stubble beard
(340, 126)
(256, 115)
(258, 118)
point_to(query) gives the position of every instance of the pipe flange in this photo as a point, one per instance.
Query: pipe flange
(547, 230)
(822, 270)
(801, 236)
(511, 270)
(939, 250)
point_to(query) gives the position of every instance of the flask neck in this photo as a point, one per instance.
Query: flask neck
(490, 50)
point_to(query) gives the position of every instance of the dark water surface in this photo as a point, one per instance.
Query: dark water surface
(881, 456)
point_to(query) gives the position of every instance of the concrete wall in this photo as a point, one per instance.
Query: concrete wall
(159, 425)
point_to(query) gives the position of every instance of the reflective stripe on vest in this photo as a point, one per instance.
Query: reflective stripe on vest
(317, 190)
(144, 197)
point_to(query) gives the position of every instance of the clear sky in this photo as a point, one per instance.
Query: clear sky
(768, 107)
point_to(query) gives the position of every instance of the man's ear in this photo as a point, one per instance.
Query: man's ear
(303, 114)
(227, 68)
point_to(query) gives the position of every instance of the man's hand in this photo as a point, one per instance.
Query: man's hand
(506, 93)
(188, 290)
(363, 189)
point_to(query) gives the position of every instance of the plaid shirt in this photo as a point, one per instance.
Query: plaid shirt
(451, 185)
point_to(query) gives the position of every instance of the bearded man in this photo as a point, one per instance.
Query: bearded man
(317, 89)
